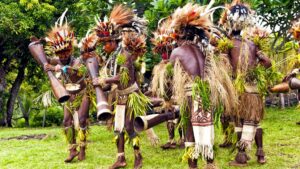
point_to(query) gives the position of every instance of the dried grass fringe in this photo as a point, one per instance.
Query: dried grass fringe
(180, 80)
(159, 80)
(251, 107)
(217, 76)
(220, 83)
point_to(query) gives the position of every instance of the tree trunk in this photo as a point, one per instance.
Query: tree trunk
(3, 71)
(14, 92)
(44, 118)
(282, 102)
(26, 117)
(24, 112)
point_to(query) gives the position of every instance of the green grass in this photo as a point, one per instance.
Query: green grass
(281, 143)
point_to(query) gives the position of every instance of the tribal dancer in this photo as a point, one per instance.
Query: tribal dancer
(246, 59)
(202, 85)
(162, 80)
(60, 43)
(125, 34)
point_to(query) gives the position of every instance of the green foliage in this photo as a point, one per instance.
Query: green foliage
(239, 83)
(224, 45)
(68, 135)
(184, 116)
(201, 88)
(188, 154)
(279, 15)
(170, 70)
(54, 117)
(138, 104)
(266, 77)
(82, 70)
(155, 11)
(121, 59)
(20, 123)
(124, 76)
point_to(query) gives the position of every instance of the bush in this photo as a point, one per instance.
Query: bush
(54, 117)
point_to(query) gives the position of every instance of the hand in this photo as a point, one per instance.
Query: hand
(288, 77)
(48, 67)
(98, 82)
(57, 68)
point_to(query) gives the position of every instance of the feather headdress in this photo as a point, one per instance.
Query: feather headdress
(296, 29)
(88, 44)
(189, 20)
(121, 19)
(259, 32)
(164, 39)
(134, 43)
(237, 16)
(60, 39)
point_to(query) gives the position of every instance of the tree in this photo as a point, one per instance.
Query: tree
(18, 22)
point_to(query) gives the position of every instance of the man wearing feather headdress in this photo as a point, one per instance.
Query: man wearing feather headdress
(123, 35)
(245, 58)
(197, 80)
(60, 43)
(161, 84)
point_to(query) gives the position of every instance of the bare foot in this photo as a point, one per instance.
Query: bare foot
(138, 161)
(81, 155)
(120, 163)
(73, 154)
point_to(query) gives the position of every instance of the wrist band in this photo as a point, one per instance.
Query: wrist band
(64, 69)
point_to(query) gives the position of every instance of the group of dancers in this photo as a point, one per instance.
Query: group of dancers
(208, 73)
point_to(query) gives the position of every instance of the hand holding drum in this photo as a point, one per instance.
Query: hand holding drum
(103, 109)
(37, 51)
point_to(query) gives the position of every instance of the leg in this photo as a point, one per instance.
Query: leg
(171, 131)
(181, 136)
(83, 114)
(259, 143)
(247, 136)
(69, 132)
(138, 159)
(190, 140)
(121, 161)
(227, 131)
(241, 157)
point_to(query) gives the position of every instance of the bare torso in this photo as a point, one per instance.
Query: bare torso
(191, 58)
(242, 50)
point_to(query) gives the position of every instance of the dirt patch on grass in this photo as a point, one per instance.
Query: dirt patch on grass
(27, 137)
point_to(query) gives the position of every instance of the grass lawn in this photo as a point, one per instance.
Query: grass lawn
(281, 143)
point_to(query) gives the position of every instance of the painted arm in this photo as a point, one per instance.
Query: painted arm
(52, 65)
(263, 60)
(115, 79)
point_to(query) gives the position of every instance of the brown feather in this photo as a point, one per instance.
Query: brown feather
(59, 43)
(190, 15)
(121, 15)
(134, 42)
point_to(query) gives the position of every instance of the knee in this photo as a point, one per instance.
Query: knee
(131, 133)
(82, 121)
